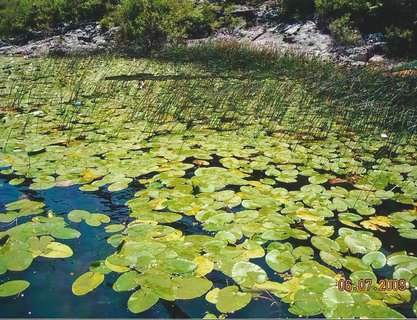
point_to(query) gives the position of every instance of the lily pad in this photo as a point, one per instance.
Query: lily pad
(280, 261)
(230, 299)
(142, 300)
(86, 283)
(13, 287)
(247, 274)
(375, 259)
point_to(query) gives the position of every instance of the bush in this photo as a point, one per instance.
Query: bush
(14, 17)
(25, 16)
(297, 9)
(344, 32)
(401, 42)
(151, 23)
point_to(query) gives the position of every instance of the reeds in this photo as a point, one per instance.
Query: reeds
(225, 86)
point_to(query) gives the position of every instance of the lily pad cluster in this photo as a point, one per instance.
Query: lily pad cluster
(30, 239)
(279, 216)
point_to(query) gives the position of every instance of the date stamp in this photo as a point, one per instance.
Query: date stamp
(370, 285)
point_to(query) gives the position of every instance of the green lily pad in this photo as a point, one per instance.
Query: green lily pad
(191, 288)
(324, 244)
(247, 274)
(230, 299)
(86, 283)
(142, 300)
(408, 233)
(126, 282)
(375, 259)
(57, 250)
(13, 287)
(279, 261)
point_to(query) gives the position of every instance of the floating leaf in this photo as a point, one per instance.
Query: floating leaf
(142, 300)
(376, 259)
(230, 299)
(204, 265)
(13, 287)
(324, 244)
(191, 288)
(17, 260)
(247, 274)
(126, 282)
(408, 233)
(279, 261)
(86, 283)
(57, 250)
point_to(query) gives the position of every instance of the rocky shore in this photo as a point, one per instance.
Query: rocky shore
(260, 31)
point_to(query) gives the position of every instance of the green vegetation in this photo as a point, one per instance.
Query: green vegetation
(286, 173)
(148, 24)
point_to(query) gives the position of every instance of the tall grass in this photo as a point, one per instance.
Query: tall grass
(225, 86)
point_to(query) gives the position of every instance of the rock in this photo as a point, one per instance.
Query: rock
(361, 57)
(358, 64)
(293, 29)
(88, 38)
(377, 60)
(245, 12)
(362, 53)
(375, 37)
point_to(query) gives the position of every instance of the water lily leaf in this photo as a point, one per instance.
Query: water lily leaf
(99, 266)
(362, 274)
(212, 295)
(415, 308)
(400, 258)
(65, 233)
(402, 273)
(396, 296)
(413, 282)
(408, 233)
(319, 178)
(324, 244)
(230, 299)
(78, 215)
(376, 223)
(96, 219)
(126, 282)
(57, 250)
(114, 228)
(16, 181)
(17, 260)
(376, 259)
(86, 283)
(306, 303)
(279, 261)
(319, 229)
(118, 186)
(338, 302)
(303, 253)
(361, 243)
(354, 264)
(191, 288)
(318, 283)
(13, 287)
(180, 265)
(332, 258)
(204, 265)
(247, 274)
(142, 300)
